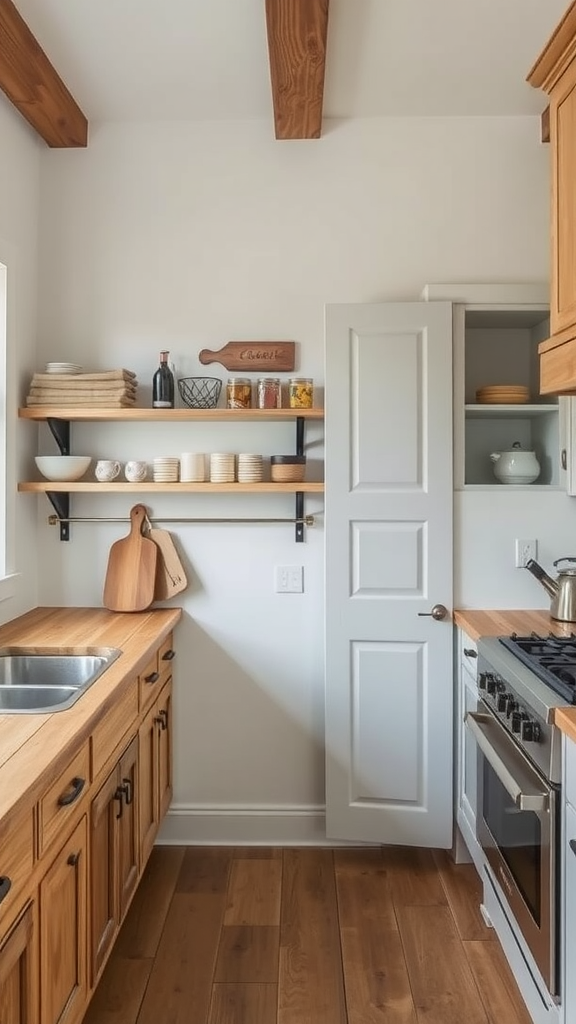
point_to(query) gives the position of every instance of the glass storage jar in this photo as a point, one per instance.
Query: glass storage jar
(269, 393)
(301, 392)
(239, 393)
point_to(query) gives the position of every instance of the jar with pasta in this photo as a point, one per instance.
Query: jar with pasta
(238, 393)
(301, 392)
(269, 393)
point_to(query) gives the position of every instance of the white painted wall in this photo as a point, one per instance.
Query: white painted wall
(185, 236)
(19, 197)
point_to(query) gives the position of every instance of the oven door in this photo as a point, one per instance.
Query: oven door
(516, 825)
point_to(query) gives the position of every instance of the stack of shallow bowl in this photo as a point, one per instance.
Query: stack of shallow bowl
(249, 468)
(222, 468)
(503, 394)
(166, 469)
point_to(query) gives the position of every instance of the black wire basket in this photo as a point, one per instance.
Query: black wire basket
(200, 392)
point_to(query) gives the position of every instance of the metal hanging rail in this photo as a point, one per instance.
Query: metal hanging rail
(55, 520)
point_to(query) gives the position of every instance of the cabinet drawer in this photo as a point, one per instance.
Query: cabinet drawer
(149, 681)
(111, 730)
(16, 860)
(558, 368)
(468, 654)
(61, 800)
(166, 654)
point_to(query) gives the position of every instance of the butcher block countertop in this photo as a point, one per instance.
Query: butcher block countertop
(31, 744)
(502, 623)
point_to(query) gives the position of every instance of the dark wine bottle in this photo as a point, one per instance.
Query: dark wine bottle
(163, 385)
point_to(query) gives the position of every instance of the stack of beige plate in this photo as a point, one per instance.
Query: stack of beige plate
(222, 468)
(249, 468)
(166, 469)
(503, 394)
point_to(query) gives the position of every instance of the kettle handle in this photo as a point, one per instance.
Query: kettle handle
(567, 558)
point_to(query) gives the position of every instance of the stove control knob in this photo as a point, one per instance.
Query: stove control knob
(511, 706)
(491, 684)
(530, 732)
(502, 701)
(516, 720)
(482, 680)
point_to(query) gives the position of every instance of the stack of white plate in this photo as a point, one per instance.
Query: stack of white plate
(63, 368)
(249, 469)
(222, 468)
(166, 469)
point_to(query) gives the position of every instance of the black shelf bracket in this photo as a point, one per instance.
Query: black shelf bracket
(299, 512)
(60, 430)
(60, 501)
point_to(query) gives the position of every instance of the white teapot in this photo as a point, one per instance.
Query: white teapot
(516, 466)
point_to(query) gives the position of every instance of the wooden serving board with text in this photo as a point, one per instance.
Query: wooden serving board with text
(252, 355)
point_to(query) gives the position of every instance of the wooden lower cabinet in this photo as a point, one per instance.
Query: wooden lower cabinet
(114, 854)
(155, 759)
(63, 932)
(19, 971)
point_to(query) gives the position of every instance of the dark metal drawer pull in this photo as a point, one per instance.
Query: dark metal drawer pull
(5, 884)
(77, 787)
(152, 678)
(118, 795)
(126, 788)
(470, 653)
(168, 655)
(162, 719)
(73, 859)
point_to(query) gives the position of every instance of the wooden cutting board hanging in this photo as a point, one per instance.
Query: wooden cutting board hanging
(170, 575)
(131, 572)
(252, 355)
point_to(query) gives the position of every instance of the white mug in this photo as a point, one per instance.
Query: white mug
(192, 467)
(106, 470)
(136, 471)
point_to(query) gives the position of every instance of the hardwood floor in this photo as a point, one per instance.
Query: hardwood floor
(225, 935)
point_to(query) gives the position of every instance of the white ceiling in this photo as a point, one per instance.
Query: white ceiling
(208, 59)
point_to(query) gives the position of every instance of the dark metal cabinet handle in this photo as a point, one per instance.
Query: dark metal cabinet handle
(5, 884)
(118, 795)
(573, 845)
(168, 655)
(68, 798)
(126, 788)
(152, 678)
(470, 653)
(73, 859)
(162, 719)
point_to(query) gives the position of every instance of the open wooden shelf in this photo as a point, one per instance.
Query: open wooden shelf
(149, 487)
(87, 414)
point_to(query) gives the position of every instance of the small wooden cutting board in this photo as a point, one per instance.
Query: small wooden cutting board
(170, 575)
(252, 355)
(131, 572)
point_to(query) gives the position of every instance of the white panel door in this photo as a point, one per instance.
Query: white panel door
(388, 562)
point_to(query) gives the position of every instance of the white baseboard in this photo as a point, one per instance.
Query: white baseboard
(191, 825)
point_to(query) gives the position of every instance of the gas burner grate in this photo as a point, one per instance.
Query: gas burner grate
(552, 658)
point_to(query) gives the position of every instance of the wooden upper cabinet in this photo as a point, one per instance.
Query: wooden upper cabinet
(555, 73)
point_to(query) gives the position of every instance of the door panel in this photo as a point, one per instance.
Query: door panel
(388, 561)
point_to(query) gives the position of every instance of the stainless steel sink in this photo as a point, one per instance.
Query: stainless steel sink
(39, 680)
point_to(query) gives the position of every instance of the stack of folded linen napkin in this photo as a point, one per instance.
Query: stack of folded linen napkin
(109, 389)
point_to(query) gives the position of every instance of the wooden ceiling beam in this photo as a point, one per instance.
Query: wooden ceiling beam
(297, 31)
(33, 86)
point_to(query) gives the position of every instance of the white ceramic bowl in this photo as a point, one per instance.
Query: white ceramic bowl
(63, 467)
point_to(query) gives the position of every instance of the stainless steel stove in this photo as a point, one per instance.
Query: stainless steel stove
(521, 679)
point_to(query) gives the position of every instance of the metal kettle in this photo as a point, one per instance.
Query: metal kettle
(562, 590)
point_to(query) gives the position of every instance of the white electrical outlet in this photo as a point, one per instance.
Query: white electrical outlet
(525, 550)
(288, 579)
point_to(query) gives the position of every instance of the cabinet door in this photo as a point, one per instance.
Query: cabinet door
(103, 856)
(563, 149)
(128, 847)
(147, 799)
(19, 972)
(63, 959)
(164, 725)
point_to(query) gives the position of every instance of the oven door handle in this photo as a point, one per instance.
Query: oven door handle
(517, 778)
